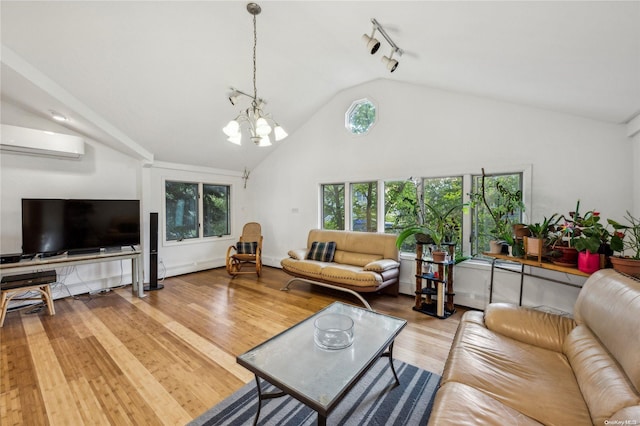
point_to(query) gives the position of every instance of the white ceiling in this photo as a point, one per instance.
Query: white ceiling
(152, 78)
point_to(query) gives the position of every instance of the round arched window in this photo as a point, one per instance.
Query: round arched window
(360, 117)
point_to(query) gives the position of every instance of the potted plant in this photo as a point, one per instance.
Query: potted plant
(440, 229)
(502, 211)
(626, 239)
(534, 244)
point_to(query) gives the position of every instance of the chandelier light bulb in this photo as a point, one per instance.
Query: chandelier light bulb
(236, 139)
(264, 141)
(232, 128)
(279, 133)
(262, 127)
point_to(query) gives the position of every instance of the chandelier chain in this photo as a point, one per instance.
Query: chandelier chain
(255, 43)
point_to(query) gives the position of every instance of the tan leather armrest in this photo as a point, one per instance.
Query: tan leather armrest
(298, 254)
(526, 325)
(381, 265)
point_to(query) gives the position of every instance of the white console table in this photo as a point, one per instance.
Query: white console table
(137, 278)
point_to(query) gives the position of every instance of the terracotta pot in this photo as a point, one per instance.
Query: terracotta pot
(495, 247)
(588, 262)
(568, 256)
(439, 256)
(626, 265)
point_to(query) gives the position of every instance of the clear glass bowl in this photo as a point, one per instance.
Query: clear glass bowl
(333, 331)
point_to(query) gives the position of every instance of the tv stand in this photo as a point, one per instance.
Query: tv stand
(76, 252)
(137, 279)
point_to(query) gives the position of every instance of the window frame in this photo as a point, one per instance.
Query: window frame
(467, 178)
(200, 238)
(352, 107)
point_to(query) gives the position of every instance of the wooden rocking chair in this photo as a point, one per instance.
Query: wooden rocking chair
(247, 251)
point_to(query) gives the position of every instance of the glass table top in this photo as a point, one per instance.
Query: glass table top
(292, 361)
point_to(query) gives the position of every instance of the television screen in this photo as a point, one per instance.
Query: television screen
(55, 225)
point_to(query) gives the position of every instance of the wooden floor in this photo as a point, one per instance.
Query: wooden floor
(165, 359)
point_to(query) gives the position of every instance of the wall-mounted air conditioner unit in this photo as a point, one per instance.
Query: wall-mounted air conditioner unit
(21, 140)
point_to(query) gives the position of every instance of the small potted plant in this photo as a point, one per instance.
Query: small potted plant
(626, 239)
(440, 229)
(534, 244)
(592, 236)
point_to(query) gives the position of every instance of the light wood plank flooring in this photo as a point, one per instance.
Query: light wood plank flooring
(165, 359)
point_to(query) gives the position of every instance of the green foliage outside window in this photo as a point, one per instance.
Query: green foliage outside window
(216, 210)
(364, 206)
(483, 224)
(361, 116)
(181, 209)
(333, 206)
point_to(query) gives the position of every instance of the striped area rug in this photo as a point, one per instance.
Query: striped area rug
(374, 400)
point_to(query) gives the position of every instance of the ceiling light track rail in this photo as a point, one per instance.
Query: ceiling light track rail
(380, 29)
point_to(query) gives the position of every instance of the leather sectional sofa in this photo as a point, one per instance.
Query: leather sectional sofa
(362, 261)
(520, 366)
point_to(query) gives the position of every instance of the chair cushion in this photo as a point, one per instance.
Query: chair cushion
(249, 247)
(322, 251)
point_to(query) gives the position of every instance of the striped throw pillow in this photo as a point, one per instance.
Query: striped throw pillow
(322, 251)
(250, 247)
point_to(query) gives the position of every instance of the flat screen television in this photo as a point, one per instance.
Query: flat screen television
(52, 226)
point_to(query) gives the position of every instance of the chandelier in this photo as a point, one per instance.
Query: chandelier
(260, 124)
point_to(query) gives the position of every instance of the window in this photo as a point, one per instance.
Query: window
(483, 226)
(183, 210)
(400, 209)
(364, 206)
(333, 209)
(360, 117)
(216, 210)
(443, 196)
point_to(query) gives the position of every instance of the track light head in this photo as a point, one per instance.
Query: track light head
(390, 63)
(372, 44)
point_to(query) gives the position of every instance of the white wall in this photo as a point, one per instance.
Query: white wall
(430, 132)
(101, 173)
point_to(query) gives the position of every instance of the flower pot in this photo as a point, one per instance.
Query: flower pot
(439, 256)
(533, 247)
(495, 246)
(588, 262)
(626, 265)
(568, 256)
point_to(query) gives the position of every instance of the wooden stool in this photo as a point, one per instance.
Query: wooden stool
(7, 294)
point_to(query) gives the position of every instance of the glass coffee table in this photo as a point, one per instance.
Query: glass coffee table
(320, 378)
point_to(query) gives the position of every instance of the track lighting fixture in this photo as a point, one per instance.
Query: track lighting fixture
(389, 62)
(373, 45)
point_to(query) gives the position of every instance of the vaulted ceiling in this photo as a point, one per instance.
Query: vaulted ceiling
(152, 78)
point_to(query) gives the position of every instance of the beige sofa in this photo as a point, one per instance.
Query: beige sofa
(520, 366)
(363, 261)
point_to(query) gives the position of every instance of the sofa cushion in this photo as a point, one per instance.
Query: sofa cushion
(507, 370)
(463, 405)
(531, 326)
(604, 385)
(351, 258)
(308, 268)
(606, 303)
(322, 251)
(350, 275)
(381, 265)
